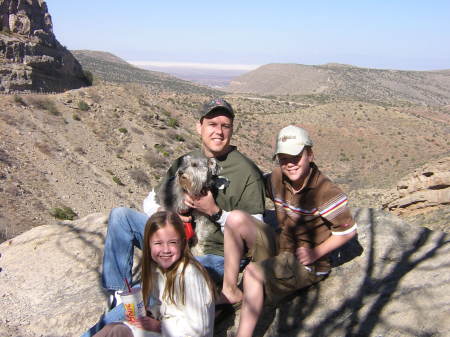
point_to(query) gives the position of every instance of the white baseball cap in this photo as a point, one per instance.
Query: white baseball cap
(291, 140)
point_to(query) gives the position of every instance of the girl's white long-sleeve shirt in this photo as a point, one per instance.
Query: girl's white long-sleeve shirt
(193, 319)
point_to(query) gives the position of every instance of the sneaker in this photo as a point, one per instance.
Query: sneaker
(113, 300)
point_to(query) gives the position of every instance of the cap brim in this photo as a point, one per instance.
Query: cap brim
(288, 150)
(218, 109)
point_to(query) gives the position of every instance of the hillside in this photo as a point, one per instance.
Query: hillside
(331, 82)
(94, 148)
(110, 68)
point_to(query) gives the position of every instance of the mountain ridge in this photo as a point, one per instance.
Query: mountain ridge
(345, 81)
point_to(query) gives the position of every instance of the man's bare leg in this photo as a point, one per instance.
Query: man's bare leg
(252, 302)
(240, 228)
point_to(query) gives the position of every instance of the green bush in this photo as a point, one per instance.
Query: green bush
(46, 104)
(118, 181)
(172, 122)
(155, 161)
(83, 106)
(123, 130)
(76, 117)
(179, 138)
(64, 213)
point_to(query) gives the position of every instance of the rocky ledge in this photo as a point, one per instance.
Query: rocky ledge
(397, 285)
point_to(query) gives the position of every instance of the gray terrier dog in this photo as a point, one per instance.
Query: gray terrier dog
(195, 176)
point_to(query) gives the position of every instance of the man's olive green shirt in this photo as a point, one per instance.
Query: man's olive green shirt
(242, 188)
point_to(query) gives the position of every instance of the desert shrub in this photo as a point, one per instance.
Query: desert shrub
(179, 138)
(19, 100)
(154, 160)
(76, 117)
(172, 122)
(161, 150)
(45, 104)
(89, 77)
(79, 150)
(148, 118)
(63, 213)
(140, 177)
(44, 148)
(123, 130)
(118, 181)
(83, 106)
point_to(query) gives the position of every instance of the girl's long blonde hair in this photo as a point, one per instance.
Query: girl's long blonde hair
(156, 221)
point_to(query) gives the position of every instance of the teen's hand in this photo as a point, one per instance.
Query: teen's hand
(306, 255)
(205, 203)
(147, 323)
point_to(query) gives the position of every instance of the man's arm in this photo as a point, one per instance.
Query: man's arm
(207, 205)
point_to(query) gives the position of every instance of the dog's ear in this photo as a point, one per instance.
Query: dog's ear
(213, 166)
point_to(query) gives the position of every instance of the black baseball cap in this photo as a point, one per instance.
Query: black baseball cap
(215, 105)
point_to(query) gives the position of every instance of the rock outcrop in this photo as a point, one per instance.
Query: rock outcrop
(31, 59)
(425, 190)
(398, 286)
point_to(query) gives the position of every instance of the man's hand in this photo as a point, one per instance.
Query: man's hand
(147, 323)
(185, 217)
(205, 203)
(306, 255)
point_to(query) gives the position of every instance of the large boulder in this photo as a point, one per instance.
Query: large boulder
(423, 195)
(399, 285)
(31, 58)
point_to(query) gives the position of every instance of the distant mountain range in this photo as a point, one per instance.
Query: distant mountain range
(319, 83)
(346, 81)
(110, 68)
(214, 77)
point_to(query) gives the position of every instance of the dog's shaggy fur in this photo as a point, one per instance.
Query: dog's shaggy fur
(195, 177)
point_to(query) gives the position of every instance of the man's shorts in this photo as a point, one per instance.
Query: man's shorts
(283, 275)
(265, 245)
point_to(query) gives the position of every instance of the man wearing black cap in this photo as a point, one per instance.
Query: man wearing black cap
(243, 190)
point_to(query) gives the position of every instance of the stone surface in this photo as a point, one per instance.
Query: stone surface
(423, 197)
(398, 286)
(31, 58)
(428, 186)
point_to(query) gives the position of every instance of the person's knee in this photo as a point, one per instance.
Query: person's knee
(236, 218)
(253, 272)
(116, 215)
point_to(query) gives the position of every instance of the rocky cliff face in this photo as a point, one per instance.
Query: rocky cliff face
(31, 59)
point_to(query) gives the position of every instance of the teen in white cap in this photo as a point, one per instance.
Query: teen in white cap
(314, 218)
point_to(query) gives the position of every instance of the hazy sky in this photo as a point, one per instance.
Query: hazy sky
(403, 34)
